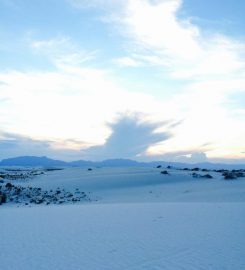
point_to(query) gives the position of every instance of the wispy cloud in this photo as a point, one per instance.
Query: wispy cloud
(178, 45)
(185, 156)
(62, 51)
(156, 35)
(128, 62)
(12, 145)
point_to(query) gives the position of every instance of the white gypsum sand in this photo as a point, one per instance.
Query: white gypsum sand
(138, 219)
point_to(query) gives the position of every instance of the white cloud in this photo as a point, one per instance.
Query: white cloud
(72, 102)
(16, 145)
(71, 108)
(72, 105)
(62, 51)
(131, 136)
(128, 62)
(214, 65)
(154, 26)
(180, 46)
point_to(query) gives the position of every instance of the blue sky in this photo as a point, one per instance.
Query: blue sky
(76, 75)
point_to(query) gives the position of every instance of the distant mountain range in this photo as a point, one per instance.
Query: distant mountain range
(45, 161)
(33, 161)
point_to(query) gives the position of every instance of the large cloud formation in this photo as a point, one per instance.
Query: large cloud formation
(130, 138)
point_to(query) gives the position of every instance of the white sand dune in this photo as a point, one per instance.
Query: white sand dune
(141, 220)
(143, 185)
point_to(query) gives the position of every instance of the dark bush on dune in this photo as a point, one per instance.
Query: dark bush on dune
(9, 185)
(52, 169)
(240, 174)
(208, 176)
(164, 172)
(222, 171)
(3, 198)
(229, 176)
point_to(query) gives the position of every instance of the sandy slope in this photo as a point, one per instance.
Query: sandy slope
(142, 220)
(143, 184)
(124, 236)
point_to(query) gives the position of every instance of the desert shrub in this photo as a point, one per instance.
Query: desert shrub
(229, 176)
(3, 198)
(208, 176)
